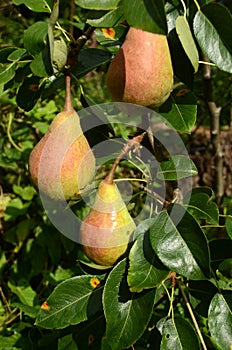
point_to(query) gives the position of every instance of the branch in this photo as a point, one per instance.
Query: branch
(214, 112)
(76, 47)
(71, 16)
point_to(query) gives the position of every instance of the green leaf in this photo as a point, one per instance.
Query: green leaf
(145, 270)
(178, 334)
(229, 226)
(110, 19)
(69, 302)
(4, 53)
(180, 243)
(90, 59)
(220, 319)
(3, 261)
(67, 343)
(23, 291)
(24, 228)
(181, 64)
(176, 168)
(180, 109)
(210, 42)
(111, 39)
(41, 65)
(201, 207)
(15, 208)
(27, 310)
(148, 15)
(54, 14)
(98, 5)
(221, 19)
(184, 32)
(27, 192)
(34, 37)
(29, 93)
(7, 343)
(143, 227)
(7, 72)
(36, 6)
(16, 55)
(60, 53)
(127, 314)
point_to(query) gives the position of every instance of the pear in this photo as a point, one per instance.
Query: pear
(62, 164)
(141, 72)
(106, 230)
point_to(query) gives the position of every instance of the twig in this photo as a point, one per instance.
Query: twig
(9, 134)
(5, 301)
(193, 317)
(132, 143)
(13, 319)
(77, 46)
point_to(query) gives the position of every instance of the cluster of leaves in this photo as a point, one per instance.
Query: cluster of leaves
(137, 303)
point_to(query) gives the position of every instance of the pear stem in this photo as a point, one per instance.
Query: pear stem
(132, 143)
(68, 106)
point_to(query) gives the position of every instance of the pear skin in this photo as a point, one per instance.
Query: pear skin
(62, 163)
(141, 72)
(106, 231)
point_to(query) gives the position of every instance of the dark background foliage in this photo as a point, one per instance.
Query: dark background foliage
(40, 269)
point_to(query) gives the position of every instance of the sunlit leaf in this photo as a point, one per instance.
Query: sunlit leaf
(221, 18)
(110, 19)
(184, 32)
(180, 109)
(220, 319)
(7, 72)
(180, 243)
(68, 303)
(41, 65)
(210, 42)
(16, 55)
(34, 37)
(146, 15)
(179, 334)
(98, 5)
(24, 292)
(145, 270)
(37, 6)
(127, 314)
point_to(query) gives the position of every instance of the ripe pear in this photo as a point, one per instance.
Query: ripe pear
(141, 72)
(62, 163)
(106, 231)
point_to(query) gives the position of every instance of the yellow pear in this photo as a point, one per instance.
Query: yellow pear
(62, 163)
(141, 72)
(106, 231)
